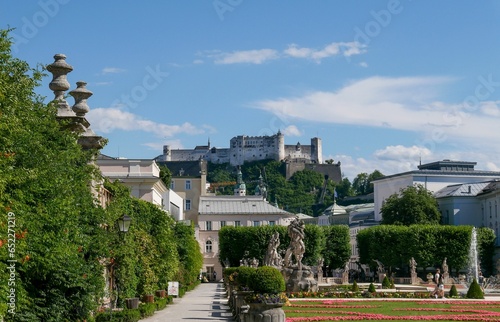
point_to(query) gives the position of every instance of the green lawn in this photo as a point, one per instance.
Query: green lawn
(392, 310)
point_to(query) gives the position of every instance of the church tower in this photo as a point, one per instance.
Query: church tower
(240, 189)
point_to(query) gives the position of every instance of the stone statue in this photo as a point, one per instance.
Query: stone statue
(297, 247)
(380, 267)
(446, 275)
(345, 274)
(413, 271)
(320, 268)
(272, 257)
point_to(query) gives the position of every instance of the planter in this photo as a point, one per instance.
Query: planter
(161, 293)
(148, 298)
(239, 301)
(132, 303)
(265, 312)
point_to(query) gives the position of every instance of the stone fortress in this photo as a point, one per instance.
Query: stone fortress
(244, 148)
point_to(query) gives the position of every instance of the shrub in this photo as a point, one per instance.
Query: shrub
(127, 315)
(243, 276)
(475, 291)
(355, 287)
(386, 283)
(267, 279)
(453, 291)
(147, 309)
(161, 303)
(371, 288)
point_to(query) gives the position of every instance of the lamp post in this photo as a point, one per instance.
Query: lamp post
(124, 223)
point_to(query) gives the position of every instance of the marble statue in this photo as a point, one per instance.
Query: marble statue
(297, 247)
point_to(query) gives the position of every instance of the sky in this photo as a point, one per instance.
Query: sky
(385, 84)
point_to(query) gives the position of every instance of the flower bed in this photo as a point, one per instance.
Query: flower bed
(394, 310)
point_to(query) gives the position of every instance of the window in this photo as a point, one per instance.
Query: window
(208, 246)
(272, 223)
(256, 223)
(237, 223)
(188, 204)
(209, 225)
(188, 184)
(223, 223)
(172, 184)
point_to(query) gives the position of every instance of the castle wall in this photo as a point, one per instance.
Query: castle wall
(244, 148)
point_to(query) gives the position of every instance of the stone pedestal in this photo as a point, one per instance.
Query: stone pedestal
(260, 312)
(300, 280)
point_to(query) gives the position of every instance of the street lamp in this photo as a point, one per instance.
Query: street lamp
(124, 223)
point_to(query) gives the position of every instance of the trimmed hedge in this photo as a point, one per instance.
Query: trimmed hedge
(147, 309)
(126, 315)
(266, 279)
(475, 291)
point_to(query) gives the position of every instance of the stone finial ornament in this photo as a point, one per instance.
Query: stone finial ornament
(81, 94)
(59, 84)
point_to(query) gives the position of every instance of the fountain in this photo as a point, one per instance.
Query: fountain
(473, 269)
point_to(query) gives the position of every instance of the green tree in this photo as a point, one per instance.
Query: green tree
(360, 184)
(373, 176)
(412, 205)
(337, 250)
(165, 175)
(44, 182)
(344, 189)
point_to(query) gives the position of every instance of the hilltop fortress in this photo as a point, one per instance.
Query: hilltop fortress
(244, 148)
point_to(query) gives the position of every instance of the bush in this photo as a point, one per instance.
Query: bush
(127, 315)
(267, 279)
(161, 303)
(453, 291)
(386, 283)
(355, 287)
(243, 276)
(371, 288)
(475, 291)
(147, 309)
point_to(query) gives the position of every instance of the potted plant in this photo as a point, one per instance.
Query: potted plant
(268, 298)
(241, 278)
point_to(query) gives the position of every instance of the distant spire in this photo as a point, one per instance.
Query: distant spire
(209, 143)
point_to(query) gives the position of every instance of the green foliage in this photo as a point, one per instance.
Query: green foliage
(190, 256)
(386, 283)
(412, 205)
(165, 175)
(243, 276)
(355, 287)
(475, 291)
(429, 245)
(126, 315)
(44, 182)
(147, 309)
(486, 244)
(266, 279)
(337, 249)
(314, 239)
(371, 288)
(453, 291)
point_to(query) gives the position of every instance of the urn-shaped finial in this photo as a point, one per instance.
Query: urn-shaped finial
(80, 94)
(59, 69)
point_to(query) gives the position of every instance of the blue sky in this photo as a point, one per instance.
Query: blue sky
(382, 83)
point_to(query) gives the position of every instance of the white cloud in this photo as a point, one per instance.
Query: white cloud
(259, 56)
(247, 56)
(198, 61)
(345, 49)
(112, 70)
(106, 120)
(400, 152)
(363, 64)
(292, 130)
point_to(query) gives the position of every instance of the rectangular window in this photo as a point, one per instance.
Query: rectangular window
(272, 223)
(237, 223)
(223, 223)
(209, 225)
(188, 184)
(256, 223)
(172, 185)
(188, 204)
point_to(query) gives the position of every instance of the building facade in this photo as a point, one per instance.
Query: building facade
(433, 176)
(216, 212)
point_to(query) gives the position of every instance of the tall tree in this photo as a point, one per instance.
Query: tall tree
(360, 184)
(44, 187)
(412, 205)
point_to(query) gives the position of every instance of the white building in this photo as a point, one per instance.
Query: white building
(142, 177)
(433, 176)
(216, 212)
